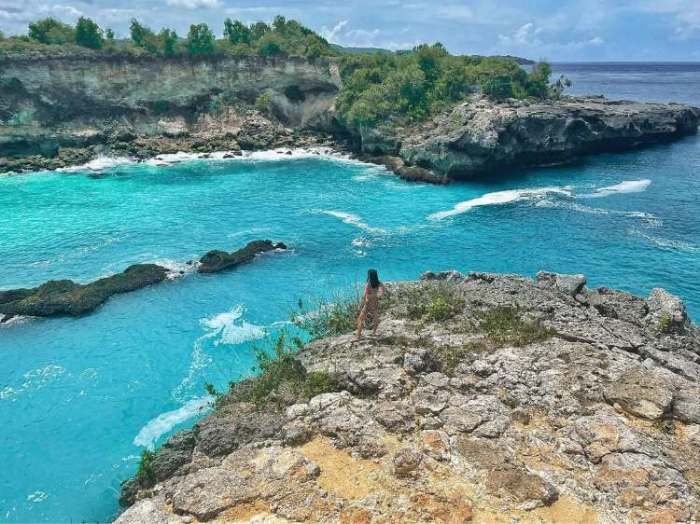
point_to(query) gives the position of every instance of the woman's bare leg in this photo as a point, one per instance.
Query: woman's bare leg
(360, 323)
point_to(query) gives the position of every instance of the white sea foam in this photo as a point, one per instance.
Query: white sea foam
(222, 328)
(15, 321)
(33, 380)
(628, 186)
(665, 243)
(37, 496)
(165, 422)
(99, 163)
(650, 219)
(500, 198)
(224, 325)
(351, 219)
(176, 269)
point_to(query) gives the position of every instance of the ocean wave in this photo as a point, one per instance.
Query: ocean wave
(500, 198)
(351, 219)
(14, 321)
(224, 325)
(649, 218)
(221, 328)
(165, 422)
(665, 243)
(628, 186)
(99, 163)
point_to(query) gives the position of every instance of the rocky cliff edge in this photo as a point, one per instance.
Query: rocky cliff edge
(484, 398)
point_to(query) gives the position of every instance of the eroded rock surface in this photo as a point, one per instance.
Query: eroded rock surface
(67, 298)
(480, 136)
(531, 401)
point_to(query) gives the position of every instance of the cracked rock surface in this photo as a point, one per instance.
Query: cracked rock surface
(590, 414)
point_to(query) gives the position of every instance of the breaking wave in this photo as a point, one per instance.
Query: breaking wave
(222, 328)
(99, 163)
(628, 186)
(500, 198)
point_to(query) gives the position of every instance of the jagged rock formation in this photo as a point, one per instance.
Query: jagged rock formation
(61, 110)
(67, 298)
(480, 136)
(487, 398)
(215, 261)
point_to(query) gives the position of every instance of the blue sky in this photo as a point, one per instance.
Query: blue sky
(557, 30)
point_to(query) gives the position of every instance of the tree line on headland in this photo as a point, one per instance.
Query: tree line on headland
(405, 86)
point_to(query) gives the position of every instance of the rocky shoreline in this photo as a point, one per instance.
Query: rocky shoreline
(67, 298)
(484, 398)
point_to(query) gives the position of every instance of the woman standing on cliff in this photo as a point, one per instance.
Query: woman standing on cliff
(369, 306)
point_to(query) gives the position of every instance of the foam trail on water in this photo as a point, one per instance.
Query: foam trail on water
(351, 219)
(628, 186)
(222, 328)
(499, 198)
(165, 422)
(175, 268)
(665, 243)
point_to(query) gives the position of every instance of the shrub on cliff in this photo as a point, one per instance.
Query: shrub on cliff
(88, 34)
(51, 31)
(412, 86)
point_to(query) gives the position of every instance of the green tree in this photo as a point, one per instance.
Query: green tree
(236, 32)
(51, 31)
(538, 80)
(109, 36)
(200, 40)
(168, 39)
(258, 30)
(141, 35)
(88, 34)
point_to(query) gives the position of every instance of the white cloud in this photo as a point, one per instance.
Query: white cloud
(60, 9)
(457, 13)
(194, 4)
(331, 34)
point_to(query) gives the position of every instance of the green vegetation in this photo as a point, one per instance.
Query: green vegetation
(504, 326)
(282, 375)
(328, 319)
(51, 32)
(145, 474)
(414, 85)
(88, 34)
(262, 103)
(664, 323)
(433, 303)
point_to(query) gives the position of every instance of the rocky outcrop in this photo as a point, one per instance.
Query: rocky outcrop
(68, 298)
(480, 136)
(62, 110)
(215, 261)
(483, 397)
(65, 297)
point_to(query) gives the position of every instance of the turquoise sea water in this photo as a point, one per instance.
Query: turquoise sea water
(80, 398)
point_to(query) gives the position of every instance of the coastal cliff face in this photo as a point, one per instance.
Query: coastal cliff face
(479, 136)
(482, 398)
(55, 106)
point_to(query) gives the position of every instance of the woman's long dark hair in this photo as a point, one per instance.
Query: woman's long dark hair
(373, 278)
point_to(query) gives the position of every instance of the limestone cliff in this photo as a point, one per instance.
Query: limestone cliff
(480, 136)
(485, 398)
(66, 105)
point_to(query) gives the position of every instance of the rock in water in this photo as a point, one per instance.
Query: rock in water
(65, 297)
(521, 404)
(215, 261)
